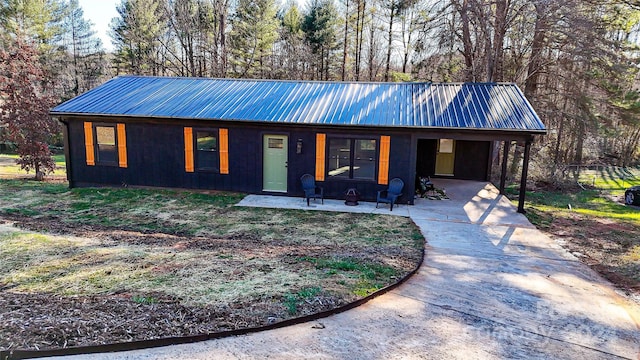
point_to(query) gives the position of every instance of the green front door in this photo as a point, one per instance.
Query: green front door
(445, 157)
(274, 167)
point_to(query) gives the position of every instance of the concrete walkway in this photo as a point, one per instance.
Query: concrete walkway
(491, 287)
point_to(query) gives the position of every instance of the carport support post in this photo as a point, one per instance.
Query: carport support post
(523, 178)
(503, 174)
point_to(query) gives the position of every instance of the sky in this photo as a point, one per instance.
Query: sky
(100, 13)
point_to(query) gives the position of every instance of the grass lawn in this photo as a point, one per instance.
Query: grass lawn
(8, 167)
(595, 224)
(120, 264)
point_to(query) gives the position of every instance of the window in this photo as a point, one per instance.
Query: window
(352, 159)
(445, 146)
(276, 143)
(339, 158)
(364, 159)
(106, 146)
(207, 157)
(206, 150)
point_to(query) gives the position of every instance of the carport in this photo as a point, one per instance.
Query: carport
(460, 127)
(438, 158)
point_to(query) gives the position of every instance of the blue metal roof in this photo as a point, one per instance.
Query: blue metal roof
(490, 106)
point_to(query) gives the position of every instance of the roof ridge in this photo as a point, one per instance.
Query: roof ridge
(299, 81)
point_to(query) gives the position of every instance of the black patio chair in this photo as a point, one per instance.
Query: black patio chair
(424, 185)
(311, 189)
(391, 195)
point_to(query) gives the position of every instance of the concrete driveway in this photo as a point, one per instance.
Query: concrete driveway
(491, 287)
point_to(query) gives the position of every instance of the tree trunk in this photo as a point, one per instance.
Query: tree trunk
(515, 161)
(190, 55)
(579, 143)
(389, 44)
(346, 41)
(39, 174)
(359, 37)
(537, 48)
(559, 138)
(76, 88)
(223, 46)
(371, 44)
(467, 51)
(630, 147)
(407, 30)
(500, 30)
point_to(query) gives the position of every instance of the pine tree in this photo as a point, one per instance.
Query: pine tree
(254, 32)
(84, 49)
(321, 31)
(293, 51)
(37, 21)
(136, 34)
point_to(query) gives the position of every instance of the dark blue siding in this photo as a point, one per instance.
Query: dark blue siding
(156, 158)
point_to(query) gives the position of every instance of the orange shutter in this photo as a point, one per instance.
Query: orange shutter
(383, 168)
(224, 151)
(88, 143)
(320, 154)
(188, 149)
(122, 146)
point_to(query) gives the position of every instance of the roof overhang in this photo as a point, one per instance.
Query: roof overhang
(420, 132)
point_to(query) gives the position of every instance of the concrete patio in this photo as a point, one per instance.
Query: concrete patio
(468, 201)
(491, 287)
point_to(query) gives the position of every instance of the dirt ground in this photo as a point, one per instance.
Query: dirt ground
(44, 321)
(609, 246)
(598, 244)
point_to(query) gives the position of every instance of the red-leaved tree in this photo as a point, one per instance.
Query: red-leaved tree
(25, 101)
